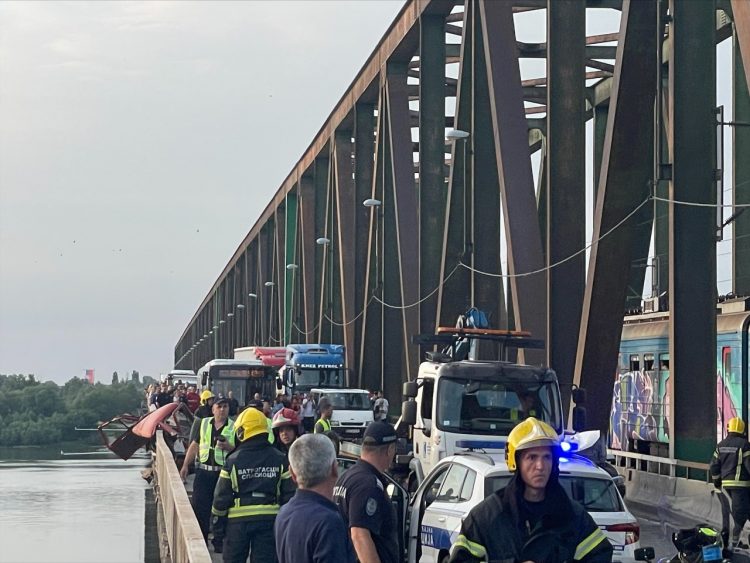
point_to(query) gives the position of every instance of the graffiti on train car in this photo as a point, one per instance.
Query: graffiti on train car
(640, 407)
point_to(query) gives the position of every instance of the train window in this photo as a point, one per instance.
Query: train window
(663, 362)
(726, 363)
(648, 362)
(635, 362)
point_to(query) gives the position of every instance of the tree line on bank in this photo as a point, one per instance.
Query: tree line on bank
(36, 413)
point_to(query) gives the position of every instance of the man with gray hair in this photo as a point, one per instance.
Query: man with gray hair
(309, 528)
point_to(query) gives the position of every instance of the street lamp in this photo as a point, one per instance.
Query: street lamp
(374, 204)
(252, 295)
(456, 135)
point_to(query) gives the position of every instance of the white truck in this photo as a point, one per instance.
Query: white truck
(457, 405)
(351, 410)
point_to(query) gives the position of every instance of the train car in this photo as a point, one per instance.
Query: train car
(639, 419)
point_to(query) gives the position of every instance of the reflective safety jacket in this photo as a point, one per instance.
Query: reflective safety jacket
(496, 532)
(254, 483)
(205, 444)
(730, 464)
(322, 425)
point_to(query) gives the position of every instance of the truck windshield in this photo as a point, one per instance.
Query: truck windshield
(307, 378)
(350, 401)
(493, 407)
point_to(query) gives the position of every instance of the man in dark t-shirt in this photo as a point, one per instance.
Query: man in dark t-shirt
(362, 500)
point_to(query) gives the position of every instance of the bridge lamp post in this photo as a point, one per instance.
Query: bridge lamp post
(271, 285)
(241, 325)
(230, 334)
(325, 243)
(374, 204)
(456, 135)
(254, 339)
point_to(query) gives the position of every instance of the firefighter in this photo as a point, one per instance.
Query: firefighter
(730, 468)
(532, 518)
(206, 407)
(286, 429)
(211, 438)
(253, 484)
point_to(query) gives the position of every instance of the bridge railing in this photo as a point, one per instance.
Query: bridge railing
(660, 465)
(181, 528)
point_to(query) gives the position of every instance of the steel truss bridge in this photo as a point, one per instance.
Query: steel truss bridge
(450, 223)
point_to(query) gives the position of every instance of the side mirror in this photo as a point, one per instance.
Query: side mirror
(579, 396)
(579, 418)
(409, 412)
(279, 384)
(644, 554)
(410, 389)
(204, 379)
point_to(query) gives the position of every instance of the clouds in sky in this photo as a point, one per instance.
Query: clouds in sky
(138, 144)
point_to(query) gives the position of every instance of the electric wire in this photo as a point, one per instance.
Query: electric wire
(567, 258)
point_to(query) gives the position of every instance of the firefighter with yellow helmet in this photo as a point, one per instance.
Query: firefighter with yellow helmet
(532, 518)
(206, 407)
(730, 468)
(253, 484)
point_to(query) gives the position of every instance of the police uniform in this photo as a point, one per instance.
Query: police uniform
(208, 464)
(252, 486)
(362, 500)
(730, 468)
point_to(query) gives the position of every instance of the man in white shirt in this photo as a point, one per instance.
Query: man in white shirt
(381, 408)
(308, 413)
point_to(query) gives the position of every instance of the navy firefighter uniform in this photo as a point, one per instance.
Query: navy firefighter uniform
(254, 483)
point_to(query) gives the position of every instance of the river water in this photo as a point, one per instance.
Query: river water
(79, 508)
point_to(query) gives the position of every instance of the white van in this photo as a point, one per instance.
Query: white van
(352, 411)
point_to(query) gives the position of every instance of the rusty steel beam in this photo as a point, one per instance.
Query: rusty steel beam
(309, 268)
(692, 232)
(324, 229)
(624, 184)
(483, 231)
(452, 298)
(566, 185)
(346, 207)
(514, 166)
(280, 262)
(406, 211)
(432, 147)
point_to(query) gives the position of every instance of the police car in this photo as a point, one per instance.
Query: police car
(460, 482)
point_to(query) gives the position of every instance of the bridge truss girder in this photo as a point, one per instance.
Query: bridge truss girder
(463, 223)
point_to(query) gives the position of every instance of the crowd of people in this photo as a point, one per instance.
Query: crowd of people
(267, 486)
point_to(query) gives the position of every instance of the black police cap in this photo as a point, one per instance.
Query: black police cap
(379, 434)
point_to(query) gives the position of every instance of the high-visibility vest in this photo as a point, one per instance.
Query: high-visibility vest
(271, 437)
(204, 447)
(326, 424)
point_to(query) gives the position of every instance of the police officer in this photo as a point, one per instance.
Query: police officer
(532, 518)
(254, 483)
(211, 438)
(730, 468)
(326, 411)
(362, 500)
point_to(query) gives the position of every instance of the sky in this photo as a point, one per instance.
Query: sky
(139, 142)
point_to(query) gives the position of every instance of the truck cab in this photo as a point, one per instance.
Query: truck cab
(474, 405)
(309, 366)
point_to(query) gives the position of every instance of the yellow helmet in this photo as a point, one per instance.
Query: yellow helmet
(206, 395)
(249, 423)
(736, 425)
(531, 433)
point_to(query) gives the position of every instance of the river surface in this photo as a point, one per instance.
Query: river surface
(79, 508)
